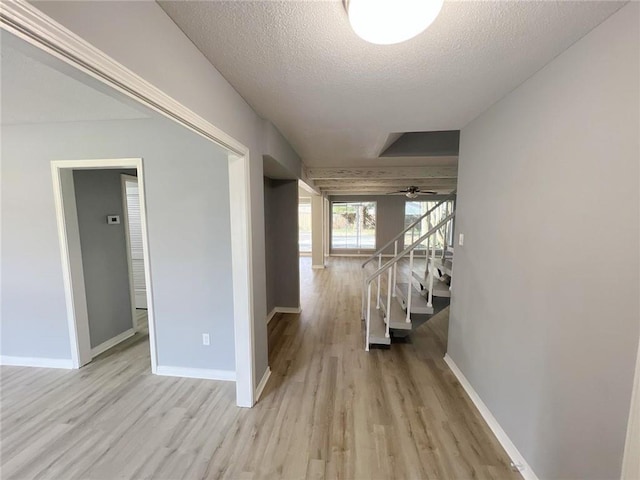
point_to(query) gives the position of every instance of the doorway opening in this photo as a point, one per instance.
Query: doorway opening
(81, 61)
(304, 223)
(94, 228)
(133, 235)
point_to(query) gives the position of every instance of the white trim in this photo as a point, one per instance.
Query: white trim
(263, 383)
(202, 373)
(272, 314)
(30, 24)
(124, 178)
(242, 278)
(69, 239)
(502, 437)
(65, 363)
(318, 267)
(68, 233)
(631, 457)
(112, 342)
(288, 309)
(275, 310)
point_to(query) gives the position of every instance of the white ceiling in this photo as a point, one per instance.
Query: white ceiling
(337, 98)
(34, 91)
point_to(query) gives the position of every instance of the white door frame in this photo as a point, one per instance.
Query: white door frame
(124, 178)
(27, 22)
(70, 251)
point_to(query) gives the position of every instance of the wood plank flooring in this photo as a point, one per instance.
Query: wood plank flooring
(330, 410)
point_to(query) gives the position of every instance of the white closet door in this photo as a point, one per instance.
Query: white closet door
(135, 241)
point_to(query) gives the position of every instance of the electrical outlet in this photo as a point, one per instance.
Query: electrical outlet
(205, 339)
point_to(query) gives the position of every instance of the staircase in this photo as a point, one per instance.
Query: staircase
(396, 301)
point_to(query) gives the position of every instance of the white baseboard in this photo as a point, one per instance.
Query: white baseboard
(203, 373)
(262, 384)
(275, 310)
(318, 267)
(112, 342)
(65, 363)
(525, 470)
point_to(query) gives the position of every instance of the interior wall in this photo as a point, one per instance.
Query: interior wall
(544, 313)
(187, 200)
(281, 238)
(147, 42)
(104, 252)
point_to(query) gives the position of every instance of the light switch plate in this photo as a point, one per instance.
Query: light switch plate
(461, 239)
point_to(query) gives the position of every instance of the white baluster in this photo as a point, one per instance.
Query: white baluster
(409, 288)
(395, 268)
(364, 294)
(386, 334)
(431, 271)
(426, 263)
(378, 280)
(444, 242)
(366, 345)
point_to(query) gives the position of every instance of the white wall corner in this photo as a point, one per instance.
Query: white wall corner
(516, 457)
(262, 384)
(39, 362)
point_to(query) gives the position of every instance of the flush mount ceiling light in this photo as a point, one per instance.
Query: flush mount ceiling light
(385, 22)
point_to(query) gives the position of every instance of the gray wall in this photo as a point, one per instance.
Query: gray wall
(187, 197)
(281, 239)
(104, 252)
(147, 41)
(544, 314)
(390, 216)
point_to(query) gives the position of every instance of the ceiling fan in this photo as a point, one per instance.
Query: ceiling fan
(412, 192)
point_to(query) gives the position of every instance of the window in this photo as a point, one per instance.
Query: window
(414, 210)
(353, 225)
(304, 224)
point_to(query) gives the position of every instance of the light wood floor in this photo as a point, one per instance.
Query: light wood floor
(330, 410)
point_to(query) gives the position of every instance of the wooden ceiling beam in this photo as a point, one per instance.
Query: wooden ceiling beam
(336, 173)
(388, 183)
(379, 191)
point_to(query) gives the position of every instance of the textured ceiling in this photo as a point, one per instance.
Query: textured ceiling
(337, 98)
(35, 91)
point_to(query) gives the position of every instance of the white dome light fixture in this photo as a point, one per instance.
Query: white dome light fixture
(385, 22)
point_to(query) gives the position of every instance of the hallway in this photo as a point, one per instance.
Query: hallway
(330, 409)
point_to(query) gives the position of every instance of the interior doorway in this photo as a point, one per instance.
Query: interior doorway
(133, 235)
(304, 223)
(93, 247)
(82, 61)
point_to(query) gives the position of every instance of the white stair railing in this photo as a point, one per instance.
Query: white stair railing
(390, 267)
(432, 274)
(394, 241)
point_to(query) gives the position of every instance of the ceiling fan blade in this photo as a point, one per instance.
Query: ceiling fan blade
(427, 193)
(396, 192)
